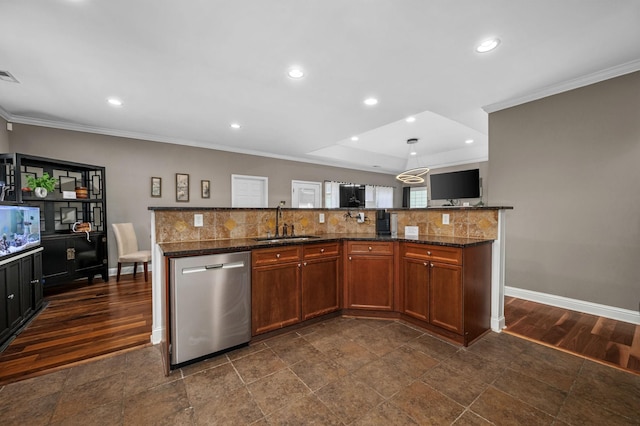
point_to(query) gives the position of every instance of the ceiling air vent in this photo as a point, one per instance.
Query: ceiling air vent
(6, 76)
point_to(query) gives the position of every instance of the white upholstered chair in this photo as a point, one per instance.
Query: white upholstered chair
(128, 249)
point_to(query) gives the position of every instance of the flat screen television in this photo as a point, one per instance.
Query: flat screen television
(19, 229)
(455, 185)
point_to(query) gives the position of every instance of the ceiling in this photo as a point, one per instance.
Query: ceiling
(186, 70)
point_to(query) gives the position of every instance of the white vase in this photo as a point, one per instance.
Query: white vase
(40, 192)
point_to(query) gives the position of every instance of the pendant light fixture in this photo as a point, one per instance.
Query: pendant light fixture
(412, 175)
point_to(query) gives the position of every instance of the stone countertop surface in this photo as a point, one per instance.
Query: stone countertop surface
(205, 247)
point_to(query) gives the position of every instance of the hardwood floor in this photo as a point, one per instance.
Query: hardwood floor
(602, 339)
(81, 322)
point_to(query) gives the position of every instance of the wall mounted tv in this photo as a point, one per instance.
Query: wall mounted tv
(19, 229)
(455, 185)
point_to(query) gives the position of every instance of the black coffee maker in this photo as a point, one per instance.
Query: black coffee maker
(383, 223)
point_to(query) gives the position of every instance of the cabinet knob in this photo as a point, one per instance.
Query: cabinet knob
(428, 253)
(11, 296)
(426, 264)
(277, 255)
(299, 265)
(370, 248)
(304, 264)
(431, 265)
(349, 257)
(321, 250)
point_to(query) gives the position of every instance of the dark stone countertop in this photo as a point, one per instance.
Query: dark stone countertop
(205, 247)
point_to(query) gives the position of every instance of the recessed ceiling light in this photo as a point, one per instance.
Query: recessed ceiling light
(468, 141)
(413, 153)
(354, 138)
(410, 119)
(295, 73)
(371, 101)
(114, 102)
(234, 125)
(488, 45)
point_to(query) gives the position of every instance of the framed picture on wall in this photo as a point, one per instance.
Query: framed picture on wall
(205, 189)
(156, 187)
(182, 187)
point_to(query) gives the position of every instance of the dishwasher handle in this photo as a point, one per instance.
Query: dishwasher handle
(204, 268)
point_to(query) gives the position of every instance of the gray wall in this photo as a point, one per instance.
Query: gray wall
(569, 165)
(131, 163)
(4, 136)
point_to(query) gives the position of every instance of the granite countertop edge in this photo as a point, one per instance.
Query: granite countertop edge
(205, 247)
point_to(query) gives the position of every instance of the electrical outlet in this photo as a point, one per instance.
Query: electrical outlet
(198, 220)
(321, 218)
(360, 217)
(445, 218)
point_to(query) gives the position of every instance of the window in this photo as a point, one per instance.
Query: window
(418, 197)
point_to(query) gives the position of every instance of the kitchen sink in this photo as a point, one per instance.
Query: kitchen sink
(272, 240)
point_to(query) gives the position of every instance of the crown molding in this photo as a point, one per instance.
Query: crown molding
(575, 83)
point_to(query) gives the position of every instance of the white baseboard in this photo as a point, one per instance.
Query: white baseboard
(612, 312)
(156, 335)
(129, 270)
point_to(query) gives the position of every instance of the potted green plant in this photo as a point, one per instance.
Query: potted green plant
(42, 185)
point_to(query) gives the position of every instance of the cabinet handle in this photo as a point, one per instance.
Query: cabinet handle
(432, 265)
(370, 248)
(35, 281)
(304, 263)
(11, 296)
(277, 255)
(428, 253)
(299, 265)
(426, 264)
(321, 250)
(349, 257)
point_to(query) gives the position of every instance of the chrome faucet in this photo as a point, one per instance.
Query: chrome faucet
(278, 215)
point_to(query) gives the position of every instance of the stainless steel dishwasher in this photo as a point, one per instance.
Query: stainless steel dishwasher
(210, 304)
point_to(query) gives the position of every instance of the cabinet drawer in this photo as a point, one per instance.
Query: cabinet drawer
(275, 255)
(369, 247)
(311, 251)
(436, 253)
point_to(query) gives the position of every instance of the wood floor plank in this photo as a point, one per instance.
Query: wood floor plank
(601, 339)
(81, 322)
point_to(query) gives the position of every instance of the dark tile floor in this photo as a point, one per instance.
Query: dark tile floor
(341, 371)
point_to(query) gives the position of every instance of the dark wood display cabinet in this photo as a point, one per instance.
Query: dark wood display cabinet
(20, 291)
(79, 197)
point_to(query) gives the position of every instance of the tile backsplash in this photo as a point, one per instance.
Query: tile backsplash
(174, 225)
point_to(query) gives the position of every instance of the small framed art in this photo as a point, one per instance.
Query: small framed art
(182, 187)
(205, 189)
(156, 187)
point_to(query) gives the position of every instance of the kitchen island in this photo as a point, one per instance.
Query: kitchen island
(440, 283)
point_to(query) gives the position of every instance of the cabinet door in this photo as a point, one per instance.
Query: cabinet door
(319, 287)
(445, 304)
(370, 282)
(10, 274)
(275, 297)
(36, 280)
(415, 282)
(56, 260)
(26, 286)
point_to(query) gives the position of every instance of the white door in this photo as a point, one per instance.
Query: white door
(249, 191)
(306, 195)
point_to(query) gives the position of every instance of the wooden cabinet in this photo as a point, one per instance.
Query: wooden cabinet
(20, 291)
(293, 283)
(66, 257)
(275, 288)
(448, 288)
(369, 275)
(320, 279)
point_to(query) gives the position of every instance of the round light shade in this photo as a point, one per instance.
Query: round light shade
(413, 175)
